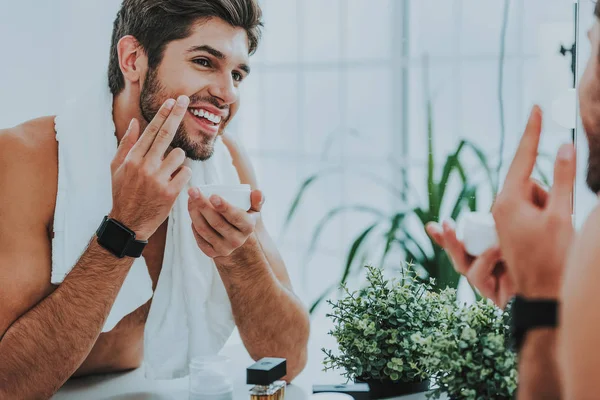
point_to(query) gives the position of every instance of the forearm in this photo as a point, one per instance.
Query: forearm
(271, 319)
(43, 348)
(538, 369)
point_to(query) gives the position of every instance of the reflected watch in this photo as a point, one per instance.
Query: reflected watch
(529, 314)
(115, 237)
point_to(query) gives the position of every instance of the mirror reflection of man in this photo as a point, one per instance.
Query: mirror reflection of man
(176, 68)
(541, 258)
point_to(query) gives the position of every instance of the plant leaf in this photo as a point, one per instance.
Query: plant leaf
(354, 249)
(452, 163)
(464, 197)
(431, 187)
(423, 215)
(391, 235)
(332, 213)
(320, 299)
(304, 186)
(486, 165)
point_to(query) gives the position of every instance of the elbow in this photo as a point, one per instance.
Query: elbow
(299, 357)
(294, 348)
(296, 365)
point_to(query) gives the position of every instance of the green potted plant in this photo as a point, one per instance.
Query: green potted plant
(471, 354)
(374, 328)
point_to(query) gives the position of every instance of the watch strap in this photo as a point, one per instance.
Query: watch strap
(134, 248)
(131, 247)
(528, 314)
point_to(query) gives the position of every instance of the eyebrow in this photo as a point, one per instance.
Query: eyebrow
(217, 54)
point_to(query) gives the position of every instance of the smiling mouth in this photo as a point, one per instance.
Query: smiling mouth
(206, 116)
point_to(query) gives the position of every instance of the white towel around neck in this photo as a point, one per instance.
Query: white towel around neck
(190, 313)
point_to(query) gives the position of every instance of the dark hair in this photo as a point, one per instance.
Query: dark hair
(155, 23)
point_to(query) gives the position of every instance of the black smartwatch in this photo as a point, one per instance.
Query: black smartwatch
(528, 314)
(118, 239)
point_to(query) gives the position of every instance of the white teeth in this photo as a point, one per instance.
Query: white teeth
(205, 114)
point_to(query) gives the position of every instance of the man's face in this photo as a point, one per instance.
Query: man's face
(208, 67)
(589, 104)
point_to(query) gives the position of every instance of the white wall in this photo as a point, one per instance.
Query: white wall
(49, 49)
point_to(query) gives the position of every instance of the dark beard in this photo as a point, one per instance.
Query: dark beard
(151, 99)
(593, 171)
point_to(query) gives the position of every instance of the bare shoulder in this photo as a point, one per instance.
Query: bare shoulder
(579, 322)
(587, 239)
(28, 177)
(29, 167)
(582, 270)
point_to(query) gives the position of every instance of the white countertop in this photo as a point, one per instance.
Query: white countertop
(134, 386)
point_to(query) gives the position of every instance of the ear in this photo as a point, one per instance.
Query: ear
(132, 59)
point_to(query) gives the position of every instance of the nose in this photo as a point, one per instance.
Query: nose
(224, 89)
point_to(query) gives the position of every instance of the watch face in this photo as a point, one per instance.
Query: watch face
(115, 238)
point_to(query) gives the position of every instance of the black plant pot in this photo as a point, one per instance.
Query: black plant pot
(388, 389)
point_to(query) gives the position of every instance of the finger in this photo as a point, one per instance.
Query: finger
(564, 179)
(127, 142)
(172, 162)
(505, 291)
(435, 231)
(181, 177)
(204, 229)
(147, 138)
(257, 199)
(165, 134)
(455, 249)
(483, 267)
(225, 230)
(539, 194)
(237, 217)
(204, 245)
(522, 165)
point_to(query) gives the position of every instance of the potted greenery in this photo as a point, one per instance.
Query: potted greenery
(471, 354)
(374, 328)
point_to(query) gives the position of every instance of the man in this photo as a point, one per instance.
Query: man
(192, 51)
(541, 258)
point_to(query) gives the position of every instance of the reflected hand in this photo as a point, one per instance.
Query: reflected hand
(219, 227)
(487, 272)
(534, 235)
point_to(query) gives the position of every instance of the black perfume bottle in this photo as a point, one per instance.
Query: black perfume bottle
(265, 375)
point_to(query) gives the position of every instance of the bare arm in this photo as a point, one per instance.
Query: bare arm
(44, 334)
(536, 237)
(271, 319)
(48, 343)
(579, 316)
(538, 367)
